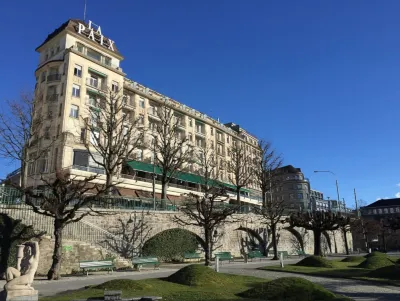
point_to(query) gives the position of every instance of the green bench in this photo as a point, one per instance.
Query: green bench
(255, 254)
(302, 253)
(224, 256)
(192, 255)
(87, 265)
(139, 262)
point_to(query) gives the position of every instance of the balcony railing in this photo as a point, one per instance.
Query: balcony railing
(95, 83)
(88, 169)
(52, 97)
(53, 77)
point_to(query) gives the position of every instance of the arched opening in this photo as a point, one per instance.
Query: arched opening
(170, 245)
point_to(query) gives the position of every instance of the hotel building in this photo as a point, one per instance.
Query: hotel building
(76, 63)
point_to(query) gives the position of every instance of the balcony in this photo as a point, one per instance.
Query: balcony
(53, 77)
(95, 83)
(88, 169)
(200, 133)
(52, 97)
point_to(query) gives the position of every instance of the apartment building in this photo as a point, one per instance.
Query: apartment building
(76, 64)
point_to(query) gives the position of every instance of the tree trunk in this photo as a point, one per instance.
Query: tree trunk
(54, 272)
(346, 244)
(317, 242)
(164, 184)
(238, 195)
(109, 183)
(207, 247)
(274, 242)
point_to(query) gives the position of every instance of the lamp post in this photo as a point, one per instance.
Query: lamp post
(337, 184)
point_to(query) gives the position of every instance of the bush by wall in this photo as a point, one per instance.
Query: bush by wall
(170, 245)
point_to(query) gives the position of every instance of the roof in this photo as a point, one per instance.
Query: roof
(71, 24)
(289, 169)
(385, 203)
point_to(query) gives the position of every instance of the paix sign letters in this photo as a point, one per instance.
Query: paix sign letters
(95, 35)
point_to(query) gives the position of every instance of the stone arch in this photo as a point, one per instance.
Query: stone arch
(297, 235)
(328, 240)
(199, 239)
(262, 243)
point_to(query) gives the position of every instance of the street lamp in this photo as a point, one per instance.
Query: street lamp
(337, 184)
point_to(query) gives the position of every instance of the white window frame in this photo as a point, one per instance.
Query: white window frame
(76, 90)
(74, 111)
(78, 70)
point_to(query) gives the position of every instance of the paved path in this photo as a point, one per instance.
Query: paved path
(356, 289)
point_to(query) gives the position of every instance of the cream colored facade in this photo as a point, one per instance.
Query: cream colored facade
(72, 65)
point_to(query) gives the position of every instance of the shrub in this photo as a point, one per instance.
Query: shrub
(12, 233)
(353, 259)
(198, 275)
(389, 272)
(375, 262)
(289, 288)
(315, 261)
(170, 245)
(123, 284)
(375, 253)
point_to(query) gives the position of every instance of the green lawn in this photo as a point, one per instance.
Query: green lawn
(172, 291)
(339, 270)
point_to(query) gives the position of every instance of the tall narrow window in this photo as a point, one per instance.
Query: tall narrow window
(60, 110)
(114, 87)
(74, 112)
(78, 70)
(62, 89)
(83, 134)
(141, 102)
(55, 159)
(76, 90)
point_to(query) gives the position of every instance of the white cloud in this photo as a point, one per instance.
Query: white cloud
(397, 195)
(398, 184)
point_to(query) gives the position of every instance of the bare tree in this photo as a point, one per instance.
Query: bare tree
(128, 236)
(344, 226)
(113, 133)
(318, 222)
(206, 211)
(240, 167)
(172, 150)
(67, 199)
(266, 165)
(17, 127)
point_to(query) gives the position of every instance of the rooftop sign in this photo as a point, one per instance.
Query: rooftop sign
(95, 35)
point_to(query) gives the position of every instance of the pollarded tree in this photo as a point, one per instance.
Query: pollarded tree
(171, 148)
(207, 211)
(240, 167)
(265, 170)
(317, 222)
(20, 127)
(66, 199)
(113, 134)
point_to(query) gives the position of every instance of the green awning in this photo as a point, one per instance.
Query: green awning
(199, 121)
(183, 176)
(97, 72)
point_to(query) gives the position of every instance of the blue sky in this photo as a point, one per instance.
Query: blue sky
(320, 79)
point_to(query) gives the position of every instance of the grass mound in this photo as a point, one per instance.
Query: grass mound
(391, 272)
(375, 262)
(289, 288)
(353, 259)
(123, 284)
(374, 254)
(315, 261)
(198, 275)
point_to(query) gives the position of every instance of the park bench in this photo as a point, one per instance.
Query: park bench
(301, 253)
(139, 262)
(192, 255)
(87, 265)
(255, 254)
(223, 256)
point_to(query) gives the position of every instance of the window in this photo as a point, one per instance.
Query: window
(299, 186)
(380, 210)
(374, 211)
(58, 130)
(141, 102)
(152, 110)
(43, 76)
(212, 131)
(190, 122)
(78, 71)
(397, 209)
(199, 128)
(74, 112)
(227, 139)
(83, 134)
(300, 196)
(94, 137)
(291, 196)
(43, 162)
(62, 89)
(107, 61)
(385, 210)
(55, 159)
(47, 133)
(114, 87)
(141, 119)
(219, 136)
(60, 110)
(212, 144)
(80, 47)
(190, 137)
(76, 90)
(93, 54)
(391, 210)
(199, 142)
